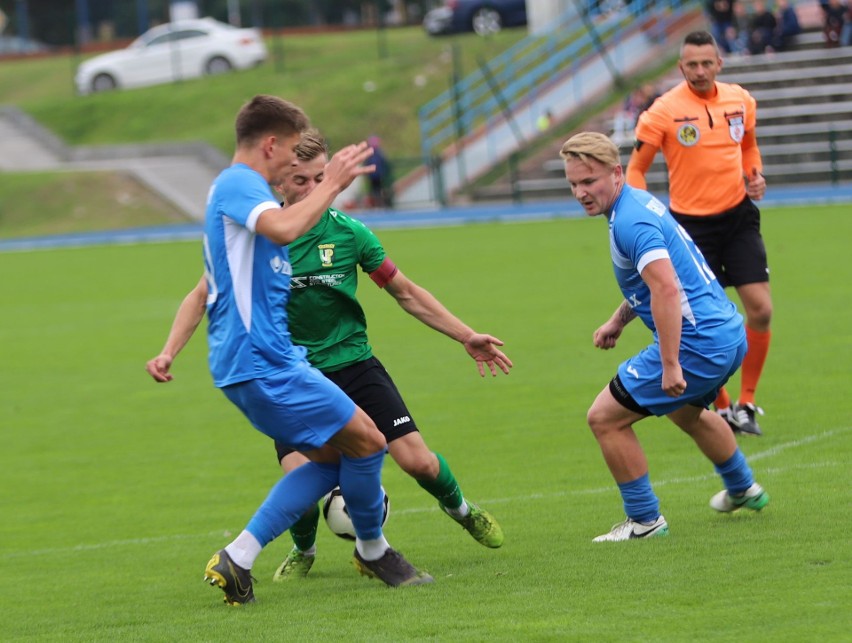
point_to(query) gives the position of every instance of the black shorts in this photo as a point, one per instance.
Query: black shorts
(370, 386)
(731, 243)
(624, 398)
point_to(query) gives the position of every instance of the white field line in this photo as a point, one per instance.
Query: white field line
(759, 455)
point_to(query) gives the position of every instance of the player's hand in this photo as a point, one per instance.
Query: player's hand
(607, 335)
(345, 165)
(755, 185)
(483, 348)
(158, 368)
(673, 383)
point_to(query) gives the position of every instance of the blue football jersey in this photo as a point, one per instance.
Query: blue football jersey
(642, 230)
(248, 278)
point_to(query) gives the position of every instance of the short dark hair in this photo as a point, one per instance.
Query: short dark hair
(266, 114)
(699, 39)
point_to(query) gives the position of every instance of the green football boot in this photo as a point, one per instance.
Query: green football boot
(481, 525)
(296, 565)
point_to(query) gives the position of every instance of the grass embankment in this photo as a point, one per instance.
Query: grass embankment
(352, 84)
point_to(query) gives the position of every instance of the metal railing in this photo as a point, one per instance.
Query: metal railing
(524, 69)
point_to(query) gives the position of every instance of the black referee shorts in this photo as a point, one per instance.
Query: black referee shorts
(370, 386)
(731, 243)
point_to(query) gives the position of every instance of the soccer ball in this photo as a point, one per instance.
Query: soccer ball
(337, 515)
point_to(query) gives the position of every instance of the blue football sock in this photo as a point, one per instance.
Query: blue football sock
(735, 472)
(360, 484)
(290, 498)
(640, 503)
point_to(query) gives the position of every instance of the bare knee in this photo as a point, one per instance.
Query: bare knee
(371, 442)
(597, 421)
(359, 438)
(757, 302)
(414, 457)
(759, 317)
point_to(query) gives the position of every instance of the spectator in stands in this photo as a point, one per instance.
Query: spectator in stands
(788, 25)
(381, 194)
(636, 102)
(544, 121)
(648, 96)
(639, 100)
(835, 15)
(762, 27)
(846, 30)
(721, 14)
(739, 33)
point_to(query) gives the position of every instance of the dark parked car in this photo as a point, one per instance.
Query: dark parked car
(482, 16)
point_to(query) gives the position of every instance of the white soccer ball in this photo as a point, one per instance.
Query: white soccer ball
(337, 515)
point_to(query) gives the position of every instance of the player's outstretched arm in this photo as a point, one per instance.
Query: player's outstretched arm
(188, 317)
(285, 225)
(423, 305)
(483, 349)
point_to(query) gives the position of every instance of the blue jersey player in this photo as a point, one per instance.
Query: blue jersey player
(699, 341)
(255, 365)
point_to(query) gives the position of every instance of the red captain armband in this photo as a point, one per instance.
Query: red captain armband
(384, 273)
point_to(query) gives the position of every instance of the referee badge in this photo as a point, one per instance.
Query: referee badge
(736, 126)
(688, 134)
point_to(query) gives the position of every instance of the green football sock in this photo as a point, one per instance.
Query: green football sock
(304, 530)
(444, 488)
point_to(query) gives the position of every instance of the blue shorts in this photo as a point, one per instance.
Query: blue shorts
(298, 407)
(705, 374)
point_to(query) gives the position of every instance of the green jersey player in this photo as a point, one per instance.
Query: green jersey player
(326, 318)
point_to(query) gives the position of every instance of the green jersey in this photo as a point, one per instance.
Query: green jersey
(324, 315)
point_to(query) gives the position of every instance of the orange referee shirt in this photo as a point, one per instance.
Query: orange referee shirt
(709, 146)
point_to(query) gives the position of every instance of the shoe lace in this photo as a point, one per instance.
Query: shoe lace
(620, 527)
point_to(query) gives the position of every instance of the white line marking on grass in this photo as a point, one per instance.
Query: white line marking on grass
(760, 455)
(778, 448)
(613, 489)
(113, 543)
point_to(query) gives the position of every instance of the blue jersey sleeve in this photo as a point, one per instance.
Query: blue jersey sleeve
(242, 196)
(639, 234)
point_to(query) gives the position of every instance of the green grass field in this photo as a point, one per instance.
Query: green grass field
(116, 490)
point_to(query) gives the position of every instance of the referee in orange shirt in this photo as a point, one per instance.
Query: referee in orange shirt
(706, 130)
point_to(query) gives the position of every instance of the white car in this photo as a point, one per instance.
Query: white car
(173, 51)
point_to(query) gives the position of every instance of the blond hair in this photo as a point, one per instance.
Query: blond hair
(311, 145)
(588, 146)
